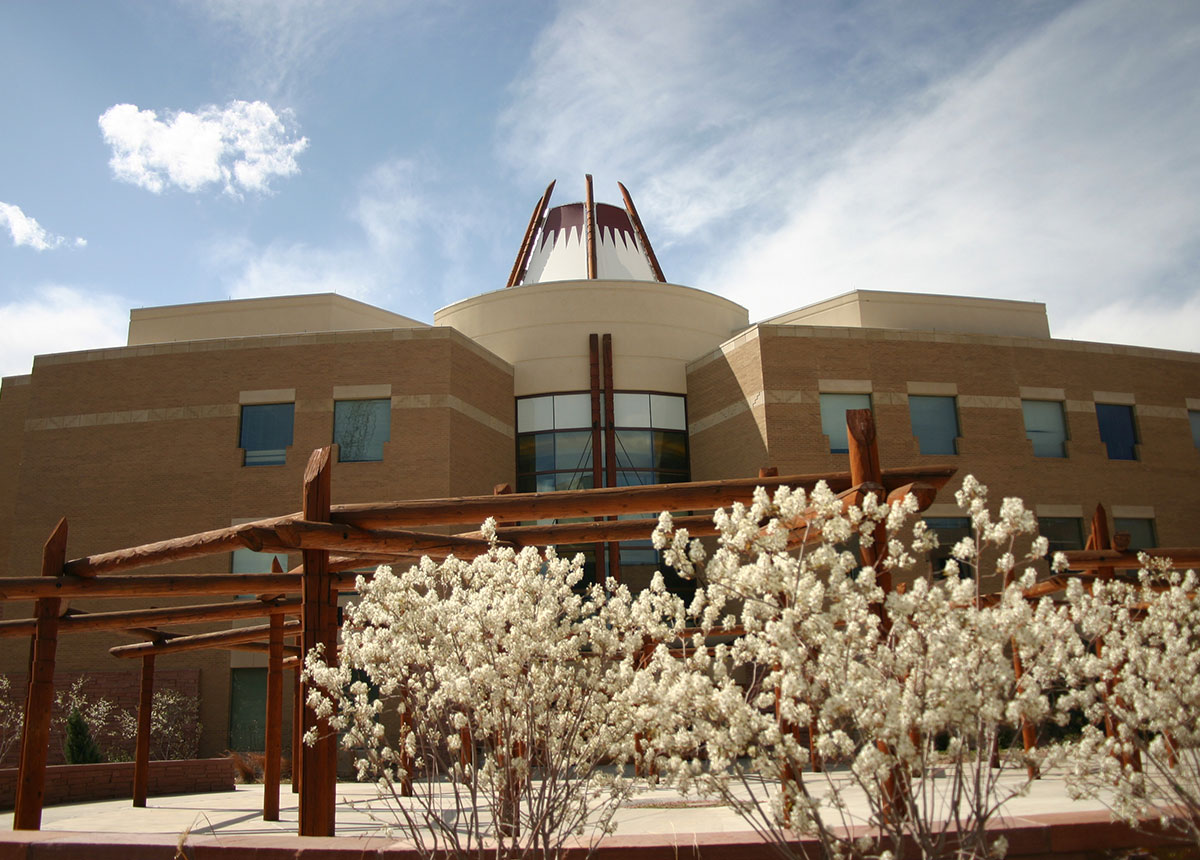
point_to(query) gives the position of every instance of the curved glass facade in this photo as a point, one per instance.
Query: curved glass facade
(555, 451)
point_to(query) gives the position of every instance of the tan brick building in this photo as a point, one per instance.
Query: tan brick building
(207, 416)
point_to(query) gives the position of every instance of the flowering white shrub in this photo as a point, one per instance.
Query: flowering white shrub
(493, 686)
(891, 687)
(1142, 680)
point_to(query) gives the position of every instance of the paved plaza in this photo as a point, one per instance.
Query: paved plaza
(360, 813)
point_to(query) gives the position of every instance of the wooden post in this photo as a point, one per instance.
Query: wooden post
(273, 754)
(141, 756)
(35, 736)
(864, 468)
(1100, 538)
(591, 230)
(318, 789)
(297, 726)
(610, 450)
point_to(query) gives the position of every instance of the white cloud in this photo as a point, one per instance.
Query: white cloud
(708, 109)
(25, 230)
(239, 147)
(1155, 324)
(290, 40)
(1063, 172)
(287, 269)
(59, 319)
(403, 249)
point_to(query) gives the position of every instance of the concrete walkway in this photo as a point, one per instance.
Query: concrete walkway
(360, 813)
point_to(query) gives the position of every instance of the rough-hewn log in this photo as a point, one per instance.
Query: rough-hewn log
(612, 550)
(318, 791)
(864, 468)
(1181, 557)
(302, 534)
(641, 234)
(141, 755)
(518, 270)
(35, 735)
(273, 751)
(126, 619)
(590, 222)
(294, 663)
(175, 549)
(201, 641)
(147, 585)
(606, 501)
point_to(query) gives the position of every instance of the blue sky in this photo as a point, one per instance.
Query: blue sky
(778, 152)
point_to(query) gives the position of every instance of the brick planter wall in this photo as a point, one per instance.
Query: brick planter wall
(76, 783)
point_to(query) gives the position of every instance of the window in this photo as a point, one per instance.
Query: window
(1063, 533)
(554, 440)
(950, 530)
(1045, 427)
(1117, 430)
(833, 418)
(249, 561)
(1194, 418)
(934, 423)
(266, 433)
(360, 427)
(1140, 530)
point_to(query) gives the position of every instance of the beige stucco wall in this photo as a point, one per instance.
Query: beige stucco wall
(543, 329)
(265, 316)
(921, 312)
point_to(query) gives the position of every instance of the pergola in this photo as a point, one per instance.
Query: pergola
(337, 539)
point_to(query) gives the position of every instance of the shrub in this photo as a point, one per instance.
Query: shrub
(79, 746)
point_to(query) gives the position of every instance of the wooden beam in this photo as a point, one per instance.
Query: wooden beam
(175, 549)
(641, 234)
(606, 501)
(318, 791)
(304, 534)
(273, 751)
(1181, 557)
(126, 618)
(201, 641)
(518, 270)
(141, 756)
(296, 665)
(590, 215)
(864, 468)
(612, 550)
(35, 735)
(147, 585)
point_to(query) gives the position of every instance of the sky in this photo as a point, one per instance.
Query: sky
(779, 153)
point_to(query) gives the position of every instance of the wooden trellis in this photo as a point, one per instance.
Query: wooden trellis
(334, 540)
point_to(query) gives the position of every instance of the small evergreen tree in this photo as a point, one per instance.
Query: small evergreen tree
(80, 748)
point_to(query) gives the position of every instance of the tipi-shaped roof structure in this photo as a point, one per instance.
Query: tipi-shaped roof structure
(585, 241)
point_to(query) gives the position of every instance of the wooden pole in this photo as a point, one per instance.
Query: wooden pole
(297, 726)
(147, 585)
(127, 619)
(318, 790)
(202, 641)
(641, 234)
(141, 756)
(591, 229)
(518, 270)
(273, 753)
(597, 431)
(607, 501)
(35, 735)
(613, 552)
(864, 467)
